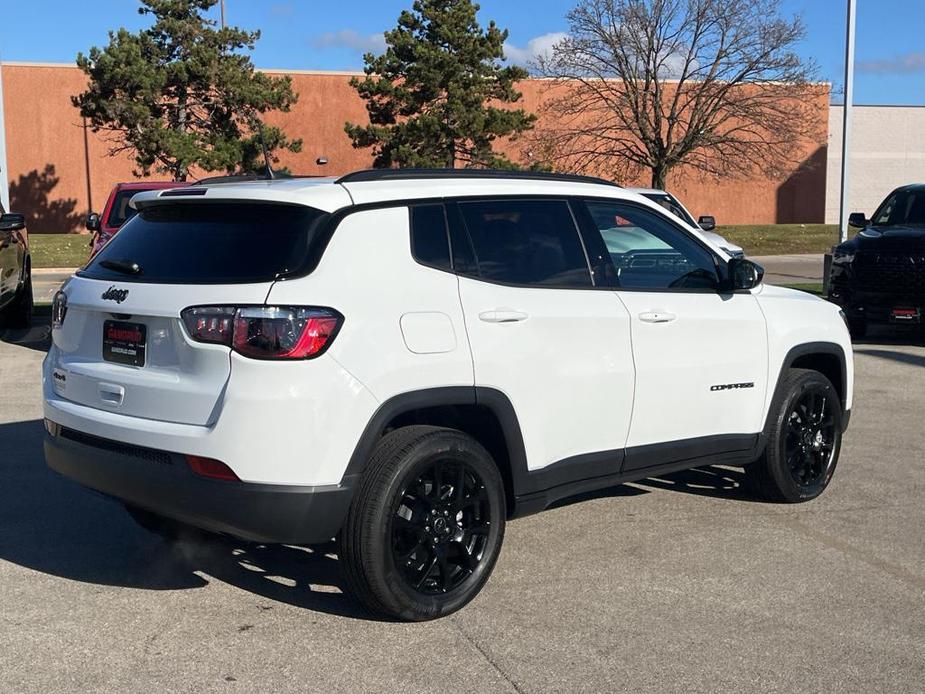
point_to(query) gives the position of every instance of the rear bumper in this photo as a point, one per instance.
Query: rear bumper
(163, 483)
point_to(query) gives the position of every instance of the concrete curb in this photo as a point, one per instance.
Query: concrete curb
(39, 271)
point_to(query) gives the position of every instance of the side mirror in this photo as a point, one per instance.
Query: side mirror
(11, 221)
(744, 274)
(706, 222)
(857, 219)
(93, 222)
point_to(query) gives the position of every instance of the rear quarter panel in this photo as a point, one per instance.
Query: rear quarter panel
(403, 324)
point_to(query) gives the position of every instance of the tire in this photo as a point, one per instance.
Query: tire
(425, 527)
(857, 327)
(167, 529)
(18, 314)
(803, 440)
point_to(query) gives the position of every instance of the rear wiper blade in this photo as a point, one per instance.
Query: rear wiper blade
(126, 267)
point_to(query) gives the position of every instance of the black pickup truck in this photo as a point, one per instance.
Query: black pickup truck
(879, 275)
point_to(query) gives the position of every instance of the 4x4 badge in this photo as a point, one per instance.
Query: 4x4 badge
(113, 294)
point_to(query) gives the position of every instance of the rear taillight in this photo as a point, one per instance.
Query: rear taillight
(265, 332)
(209, 323)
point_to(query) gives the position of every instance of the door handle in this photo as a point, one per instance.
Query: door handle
(502, 315)
(657, 317)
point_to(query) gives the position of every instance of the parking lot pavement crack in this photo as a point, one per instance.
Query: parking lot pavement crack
(487, 656)
(897, 572)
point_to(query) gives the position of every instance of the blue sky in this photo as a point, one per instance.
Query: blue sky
(324, 35)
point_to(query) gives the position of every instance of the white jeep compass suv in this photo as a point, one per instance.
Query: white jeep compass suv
(406, 359)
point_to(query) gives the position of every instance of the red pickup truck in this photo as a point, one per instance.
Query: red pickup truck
(117, 211)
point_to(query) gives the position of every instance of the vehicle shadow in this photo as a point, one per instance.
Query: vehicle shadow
(52, 525)
(37, 337)
(708, 480)
(887, 335)
(892, 355)
(606, 493)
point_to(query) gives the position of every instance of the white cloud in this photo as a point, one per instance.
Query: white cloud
(352, 39)
(902, 64)
(537, 46)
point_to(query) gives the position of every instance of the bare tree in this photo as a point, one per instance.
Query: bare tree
(714, 85)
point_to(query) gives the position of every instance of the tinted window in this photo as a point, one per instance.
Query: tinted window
(906, 207)
(460, 245)
(530, 242)
(648, 252)
(429, 242)
(205, 243)
(120, 212)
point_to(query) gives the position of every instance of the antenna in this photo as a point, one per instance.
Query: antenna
(268, 171)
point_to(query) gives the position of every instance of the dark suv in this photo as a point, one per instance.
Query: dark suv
(879, 275)
(15, 272)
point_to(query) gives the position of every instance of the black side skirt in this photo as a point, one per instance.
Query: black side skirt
(589, 472)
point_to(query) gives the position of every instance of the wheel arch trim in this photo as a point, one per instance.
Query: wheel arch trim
(831, 349)
(492, 399)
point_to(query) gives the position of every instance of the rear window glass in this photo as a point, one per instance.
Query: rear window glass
(210, 244)
(429, 242)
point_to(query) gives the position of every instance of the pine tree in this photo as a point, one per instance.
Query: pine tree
(183, 93)
(428, 95)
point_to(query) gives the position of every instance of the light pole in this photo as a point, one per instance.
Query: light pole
(4, 178)
(846, 122)
(222, 4)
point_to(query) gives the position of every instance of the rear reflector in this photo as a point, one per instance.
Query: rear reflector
(265, 332)
(213, 469)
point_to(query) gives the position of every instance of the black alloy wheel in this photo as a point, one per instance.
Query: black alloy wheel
(810, 442)
(425, 525)
(803, 435)
(440, 526)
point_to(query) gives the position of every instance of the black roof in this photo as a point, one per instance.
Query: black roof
(410, 174)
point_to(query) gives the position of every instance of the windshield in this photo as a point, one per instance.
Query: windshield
(209, 244)
(120, 212)
(905, 207)
(672, 205)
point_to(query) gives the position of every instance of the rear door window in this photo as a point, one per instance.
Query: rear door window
(526, 242)
(211, 243)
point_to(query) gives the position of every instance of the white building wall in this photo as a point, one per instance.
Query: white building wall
(887, 150)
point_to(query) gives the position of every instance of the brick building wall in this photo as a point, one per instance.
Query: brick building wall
(58, 170)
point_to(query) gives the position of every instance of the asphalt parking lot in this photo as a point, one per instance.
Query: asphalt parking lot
(677, 584)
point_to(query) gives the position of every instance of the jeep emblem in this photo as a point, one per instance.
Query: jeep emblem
(113, 294)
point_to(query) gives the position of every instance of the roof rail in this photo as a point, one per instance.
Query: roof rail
(244, 178)
(408, 174)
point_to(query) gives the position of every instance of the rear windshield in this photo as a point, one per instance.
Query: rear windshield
(210, 244)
